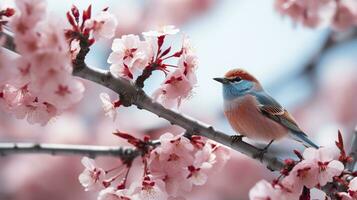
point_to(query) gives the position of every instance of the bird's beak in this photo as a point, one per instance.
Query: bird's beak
(221, 80)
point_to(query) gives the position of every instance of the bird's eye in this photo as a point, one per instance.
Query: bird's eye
(236, 79)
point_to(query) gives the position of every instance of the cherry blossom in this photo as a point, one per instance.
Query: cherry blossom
(169, 163)
(62, 92)
(92, 175)
(103, 25)
(36, 112)
(211, 158)
(150, 190)
(188, 61)
(21, 75)
(175, 88)
(182, 164)
(163, 30)
(317, 168)
(32, 11)
(324, 159)
(130, 55)
(109, 106)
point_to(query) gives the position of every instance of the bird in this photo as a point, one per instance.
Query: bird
(254, 114)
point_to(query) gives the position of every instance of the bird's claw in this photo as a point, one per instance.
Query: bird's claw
(260, 154)
(263, 151)
(236, 138)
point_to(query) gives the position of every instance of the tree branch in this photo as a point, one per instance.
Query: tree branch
(9, 41)
(125, 153)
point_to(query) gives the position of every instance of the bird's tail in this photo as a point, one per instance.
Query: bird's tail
(303, 138)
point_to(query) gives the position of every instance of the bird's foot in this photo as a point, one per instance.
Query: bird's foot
(260, 155)
(236, 138)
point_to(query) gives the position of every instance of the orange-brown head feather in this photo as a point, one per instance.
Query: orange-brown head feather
(241, 74)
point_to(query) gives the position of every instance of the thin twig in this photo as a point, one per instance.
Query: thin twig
(67, 149)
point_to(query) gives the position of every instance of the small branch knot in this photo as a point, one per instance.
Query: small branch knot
(125, 99)
(145, 75)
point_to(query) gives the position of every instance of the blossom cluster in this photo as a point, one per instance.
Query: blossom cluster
(135, 59)
(316, 168)
(88, 29)
(340, 15)
(38, 84)
(169, 170)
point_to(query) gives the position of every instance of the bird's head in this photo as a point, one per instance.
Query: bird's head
(238, 82)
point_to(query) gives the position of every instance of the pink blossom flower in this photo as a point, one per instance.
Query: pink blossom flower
(175, 152)
(62, 91)
(317, 168)
(265, 190)
(129, 56)
(103, 25)
(188, 64)
(187, 47)
(17, 96)
(48, 65)
(208, 160)
(36, 112)
(112, 193)
(32, 11)
(91, 176)
(197, 176)
(22, 72)
(108, 106)
(188, 61)
(163, 30)
(150, 190)
(323, 158)
(169, 163)
(202, 165)
(222, 156)
(28, 43)
(175, 88)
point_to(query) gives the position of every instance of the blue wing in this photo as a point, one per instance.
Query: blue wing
(273, 110)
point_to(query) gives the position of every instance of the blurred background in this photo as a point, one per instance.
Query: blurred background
(312, 72)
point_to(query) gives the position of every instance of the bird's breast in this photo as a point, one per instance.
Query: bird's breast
(245, 118)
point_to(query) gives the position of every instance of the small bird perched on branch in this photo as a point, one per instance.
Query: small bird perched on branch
(255, 114)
